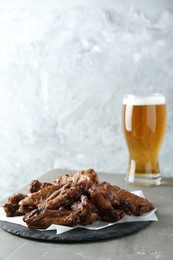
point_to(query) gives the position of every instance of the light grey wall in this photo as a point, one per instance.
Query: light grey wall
(64, 69)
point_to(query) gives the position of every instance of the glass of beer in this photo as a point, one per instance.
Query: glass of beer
(144, 125)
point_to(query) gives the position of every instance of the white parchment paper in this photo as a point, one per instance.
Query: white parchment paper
(150, 216)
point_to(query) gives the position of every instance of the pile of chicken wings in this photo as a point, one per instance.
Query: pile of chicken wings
(74, 199)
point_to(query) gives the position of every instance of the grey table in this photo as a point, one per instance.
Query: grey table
(152, 242)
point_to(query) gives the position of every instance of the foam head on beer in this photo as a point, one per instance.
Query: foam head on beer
(155, 99)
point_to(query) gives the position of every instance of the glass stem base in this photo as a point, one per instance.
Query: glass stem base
(144, 179)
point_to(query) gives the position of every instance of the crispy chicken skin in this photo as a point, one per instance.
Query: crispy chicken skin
(74, 199)
(11, 207)
(105, 196)
(133, 204)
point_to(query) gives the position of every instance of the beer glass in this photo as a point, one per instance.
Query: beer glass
(144, 124)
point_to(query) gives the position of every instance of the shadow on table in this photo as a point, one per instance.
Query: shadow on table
(166, 181)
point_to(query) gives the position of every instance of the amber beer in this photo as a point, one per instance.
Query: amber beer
(144, 124)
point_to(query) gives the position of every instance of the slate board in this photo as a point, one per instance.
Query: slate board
(75, 235)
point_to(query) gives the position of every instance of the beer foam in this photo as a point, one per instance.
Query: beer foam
(155, 99)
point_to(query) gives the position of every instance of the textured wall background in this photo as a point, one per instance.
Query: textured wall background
(64, 69)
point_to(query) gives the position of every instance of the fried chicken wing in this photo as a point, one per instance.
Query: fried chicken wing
(64, 197)
(39, 196)
(12, 206)
(79, 213)
(105, 196)
(133, 204)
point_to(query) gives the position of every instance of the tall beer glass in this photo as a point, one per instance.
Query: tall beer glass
(144, 124)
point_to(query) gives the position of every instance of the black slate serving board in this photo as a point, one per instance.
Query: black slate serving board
(75, 235)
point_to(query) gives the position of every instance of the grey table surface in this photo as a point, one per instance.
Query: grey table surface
(152, 242)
